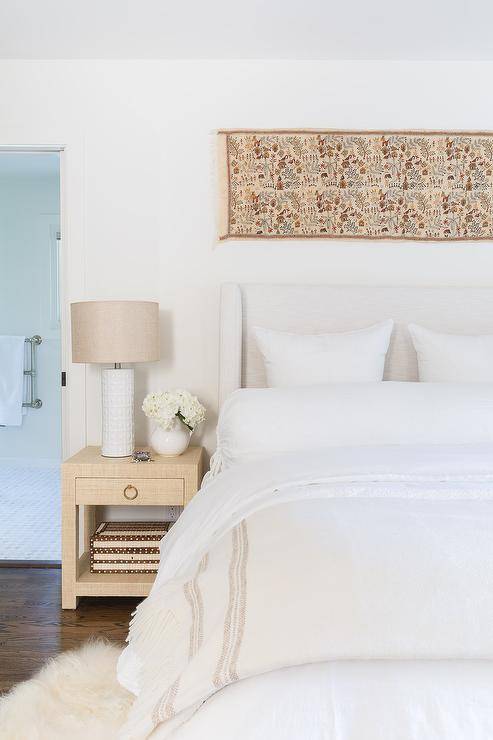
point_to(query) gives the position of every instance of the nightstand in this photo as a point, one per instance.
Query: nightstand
(90, 480)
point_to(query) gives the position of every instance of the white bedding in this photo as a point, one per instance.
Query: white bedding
(354, 554)
(352, 700)
(257, 423)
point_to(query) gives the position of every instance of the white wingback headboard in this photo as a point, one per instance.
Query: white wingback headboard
(313, 309)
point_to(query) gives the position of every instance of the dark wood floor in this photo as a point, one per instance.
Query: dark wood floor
(33, 627)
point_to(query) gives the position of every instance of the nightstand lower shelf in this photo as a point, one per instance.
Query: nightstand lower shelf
(111, 584)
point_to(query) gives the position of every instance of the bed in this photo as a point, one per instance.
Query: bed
(336, 591)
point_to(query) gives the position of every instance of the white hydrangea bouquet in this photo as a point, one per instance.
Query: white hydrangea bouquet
(176, 414)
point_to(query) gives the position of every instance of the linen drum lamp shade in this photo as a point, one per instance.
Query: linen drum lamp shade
(116, 332)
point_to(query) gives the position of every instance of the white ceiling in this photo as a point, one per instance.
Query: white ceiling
(250, 29)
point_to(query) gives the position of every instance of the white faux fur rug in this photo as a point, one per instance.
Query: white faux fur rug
(74, 697)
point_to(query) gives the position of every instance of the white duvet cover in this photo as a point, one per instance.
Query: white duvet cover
(352, 700)
(376, 563)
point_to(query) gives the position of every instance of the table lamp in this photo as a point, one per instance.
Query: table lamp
(116, 332)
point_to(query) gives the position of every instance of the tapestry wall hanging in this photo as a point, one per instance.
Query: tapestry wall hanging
(304, 184)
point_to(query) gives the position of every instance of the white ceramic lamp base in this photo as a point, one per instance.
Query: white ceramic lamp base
(118, 412)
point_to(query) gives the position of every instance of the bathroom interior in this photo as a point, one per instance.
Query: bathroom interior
(30, 446)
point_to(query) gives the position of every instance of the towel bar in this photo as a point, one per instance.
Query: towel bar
(33, 403)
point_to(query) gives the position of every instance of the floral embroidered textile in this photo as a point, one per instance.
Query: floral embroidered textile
(356, 185)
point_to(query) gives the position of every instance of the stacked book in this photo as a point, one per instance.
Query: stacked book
(127, 547)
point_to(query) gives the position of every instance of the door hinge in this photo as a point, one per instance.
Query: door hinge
(64, 378)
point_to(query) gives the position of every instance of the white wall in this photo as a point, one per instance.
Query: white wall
(140, 186)
(29, 210)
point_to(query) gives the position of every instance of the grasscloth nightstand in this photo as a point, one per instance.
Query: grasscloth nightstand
(90, 480)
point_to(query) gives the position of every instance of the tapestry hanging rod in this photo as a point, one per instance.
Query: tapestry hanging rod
(33, 403)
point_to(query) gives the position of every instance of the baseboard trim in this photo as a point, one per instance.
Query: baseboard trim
(30, 564)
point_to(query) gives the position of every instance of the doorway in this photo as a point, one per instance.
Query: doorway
(30, 437)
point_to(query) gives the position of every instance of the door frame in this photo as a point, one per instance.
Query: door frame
(72, 284)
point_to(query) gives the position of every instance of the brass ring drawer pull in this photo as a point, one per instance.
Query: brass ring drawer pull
(130, 492)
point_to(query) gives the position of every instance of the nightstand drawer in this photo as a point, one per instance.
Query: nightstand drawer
(129, 492)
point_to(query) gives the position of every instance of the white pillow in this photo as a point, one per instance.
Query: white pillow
(314, 359)
(452, 358)
(255, 423)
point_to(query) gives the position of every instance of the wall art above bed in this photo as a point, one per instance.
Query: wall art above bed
(315, 184)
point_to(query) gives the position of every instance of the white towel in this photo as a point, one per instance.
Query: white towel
(11, 380)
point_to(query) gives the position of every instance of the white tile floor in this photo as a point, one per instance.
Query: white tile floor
(29, 512)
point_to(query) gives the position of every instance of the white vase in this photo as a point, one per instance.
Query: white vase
(172, 441)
